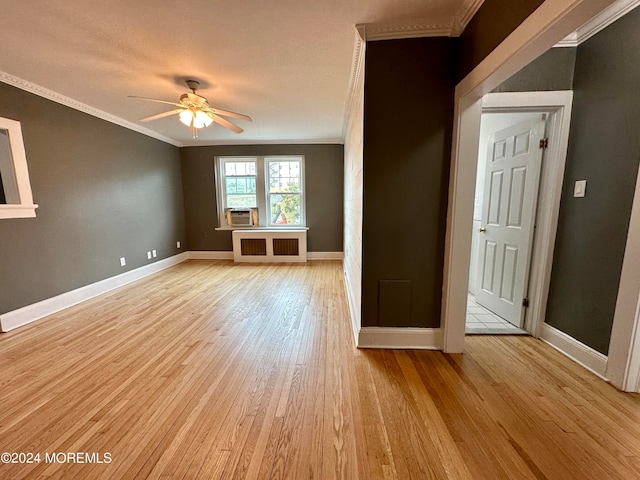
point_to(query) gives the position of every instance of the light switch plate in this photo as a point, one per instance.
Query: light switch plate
(580, 188)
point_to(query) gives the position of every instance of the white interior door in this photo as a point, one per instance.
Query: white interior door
(514, 161)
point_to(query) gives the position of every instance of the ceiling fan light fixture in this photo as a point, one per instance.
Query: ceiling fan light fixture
(202, 117)
(195, 112)
(186, 117)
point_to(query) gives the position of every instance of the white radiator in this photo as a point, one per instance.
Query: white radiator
(270, 245)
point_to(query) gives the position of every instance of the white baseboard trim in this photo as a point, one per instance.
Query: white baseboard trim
(586, 356)
(325, 256)
(351, 300)
(400, 338)
(36, 311)
(211, 255)
(228, 255)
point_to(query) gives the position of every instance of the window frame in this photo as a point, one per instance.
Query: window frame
(223, 184)
(284, 158)
(15, 175)
(262, 190)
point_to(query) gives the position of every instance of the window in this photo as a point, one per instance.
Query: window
(240, 183)
(16, 200)
(284, 194)
(273, 187)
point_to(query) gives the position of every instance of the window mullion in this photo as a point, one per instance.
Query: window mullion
(261, 192)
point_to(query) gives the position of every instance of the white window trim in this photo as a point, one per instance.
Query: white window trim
(274, 158)
(15, 173)
(261, 191)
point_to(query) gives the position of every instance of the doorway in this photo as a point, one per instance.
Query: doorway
(556, 109)
(510, 159)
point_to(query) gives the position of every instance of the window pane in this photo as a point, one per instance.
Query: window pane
(240, 168)
(240, 182)
(285, 209)
(241, 201)
(284, 176)
(240, 185)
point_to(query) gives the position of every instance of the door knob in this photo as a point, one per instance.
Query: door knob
(482, 230)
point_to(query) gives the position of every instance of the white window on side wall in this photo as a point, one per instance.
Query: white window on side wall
(261, 191)
(16, 200)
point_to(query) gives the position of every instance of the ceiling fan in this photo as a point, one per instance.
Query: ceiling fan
(195, 112)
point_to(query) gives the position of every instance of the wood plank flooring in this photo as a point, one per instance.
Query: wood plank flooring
(212, 370)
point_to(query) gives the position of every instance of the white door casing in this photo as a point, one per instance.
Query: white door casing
(548, 24)
(512, 177)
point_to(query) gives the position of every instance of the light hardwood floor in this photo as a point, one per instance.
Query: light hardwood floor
(213, 370)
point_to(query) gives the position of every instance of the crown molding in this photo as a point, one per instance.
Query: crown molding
(599, 23)
(357, 68)
(82, 107)
(378, 31)
(464, 15)
(292, 141)
(383, 31)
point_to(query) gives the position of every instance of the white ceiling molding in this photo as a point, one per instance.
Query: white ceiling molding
(292, 141)
(464, 15)
(599, 22)
(357, 69)
(376, 31)
(82, 107)
(382, 31)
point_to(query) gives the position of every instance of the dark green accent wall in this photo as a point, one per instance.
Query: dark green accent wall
(492, 23)
(324, 183)
(604, 149)
(104, 192)
(408, 118)
(553, 70)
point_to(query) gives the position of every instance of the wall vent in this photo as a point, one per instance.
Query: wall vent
(285, 246)
(253, 246)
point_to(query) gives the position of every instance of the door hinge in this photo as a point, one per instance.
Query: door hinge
(525, 302)
(544, 143)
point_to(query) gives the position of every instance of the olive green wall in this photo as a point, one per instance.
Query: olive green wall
(603, 149)
(553, 70)
(492, 23)
(324, 176)
(408, 122)
(104, 192)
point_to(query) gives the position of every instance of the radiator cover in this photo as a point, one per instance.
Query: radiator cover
(270, 245)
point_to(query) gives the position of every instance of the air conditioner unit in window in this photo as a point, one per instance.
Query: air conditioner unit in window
(241, 217)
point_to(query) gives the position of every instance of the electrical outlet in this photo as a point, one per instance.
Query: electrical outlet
(154, 253)
(123, 261)
(148, 255)
(178, 244)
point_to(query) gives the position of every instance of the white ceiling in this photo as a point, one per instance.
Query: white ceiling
(286, 63)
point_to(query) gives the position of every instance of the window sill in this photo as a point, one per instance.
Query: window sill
(261, 228)
(18, 211)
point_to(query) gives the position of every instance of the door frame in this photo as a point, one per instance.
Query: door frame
(548, 24)
(557, 106)
(506, 106)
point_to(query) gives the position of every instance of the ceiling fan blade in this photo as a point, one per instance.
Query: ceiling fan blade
(226, 123)
(155, 100)
(226, 113)
(161, 115)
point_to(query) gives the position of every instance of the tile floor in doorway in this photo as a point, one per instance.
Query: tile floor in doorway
(480, 320)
